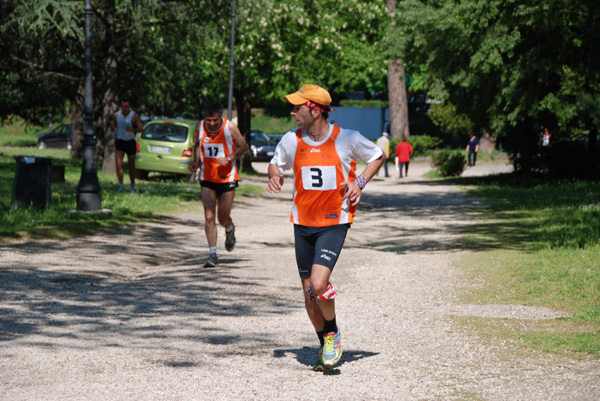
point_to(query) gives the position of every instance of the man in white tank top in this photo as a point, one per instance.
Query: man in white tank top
(127, 123)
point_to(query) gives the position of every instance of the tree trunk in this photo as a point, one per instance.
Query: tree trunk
(76, 117)
(398, 100)
(397, 91)
(109, 104)
(244, 115)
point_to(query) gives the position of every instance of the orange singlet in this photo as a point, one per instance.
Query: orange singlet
(213, 145)
(318, 184)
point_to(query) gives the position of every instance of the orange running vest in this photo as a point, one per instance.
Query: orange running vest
(318, 183)
(219, 144)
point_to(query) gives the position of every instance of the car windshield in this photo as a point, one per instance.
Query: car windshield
(260, 138)
(165, 132)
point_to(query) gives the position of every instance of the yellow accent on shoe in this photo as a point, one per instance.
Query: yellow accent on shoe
(332, 351)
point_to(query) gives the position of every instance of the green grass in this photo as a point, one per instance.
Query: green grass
(16, 132)
(155, 199)
(434, 175)
(538, 246)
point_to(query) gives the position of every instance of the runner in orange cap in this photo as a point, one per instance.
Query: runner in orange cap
(326, 192)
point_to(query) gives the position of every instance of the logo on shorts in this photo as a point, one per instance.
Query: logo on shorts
(331, 216)
(326, 257)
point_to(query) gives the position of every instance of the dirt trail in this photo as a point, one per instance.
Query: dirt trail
(132, 315)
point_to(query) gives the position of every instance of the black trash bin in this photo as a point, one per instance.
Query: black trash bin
(32, 185)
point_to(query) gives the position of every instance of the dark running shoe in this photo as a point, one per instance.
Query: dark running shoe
(212, 260)
(230, 239)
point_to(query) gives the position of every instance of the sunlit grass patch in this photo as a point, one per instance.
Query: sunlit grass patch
(560, 279)
(16, 132)
(539, 245)
(525, 337)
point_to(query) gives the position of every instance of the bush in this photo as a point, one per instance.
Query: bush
(448, 162)
(422, 145)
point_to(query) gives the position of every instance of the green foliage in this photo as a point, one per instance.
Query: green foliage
(37, 73)
(509, 66)
(541, 213)
(363, 103)
(449, 163)
(169, 57)
(458, 126)
(282, 45)
(422, 145)
(539, 246)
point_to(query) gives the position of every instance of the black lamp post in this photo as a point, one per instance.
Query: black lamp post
(88, 190)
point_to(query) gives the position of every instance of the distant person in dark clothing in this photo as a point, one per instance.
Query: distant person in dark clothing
(473, 148)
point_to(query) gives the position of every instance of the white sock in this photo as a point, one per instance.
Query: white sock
(213, 249)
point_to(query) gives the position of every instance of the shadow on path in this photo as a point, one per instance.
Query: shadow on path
(307, 356)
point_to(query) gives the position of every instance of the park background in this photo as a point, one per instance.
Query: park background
(502, 69)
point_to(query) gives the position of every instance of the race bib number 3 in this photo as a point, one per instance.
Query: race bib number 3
(213, 150)
(319, 178)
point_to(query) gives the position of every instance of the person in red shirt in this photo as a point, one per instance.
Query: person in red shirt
(403, 152)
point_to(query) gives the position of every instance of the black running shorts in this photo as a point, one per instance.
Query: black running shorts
(318, 245)
(219, 187)
(127, 147)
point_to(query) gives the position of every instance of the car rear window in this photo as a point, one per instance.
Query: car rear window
(165, 132)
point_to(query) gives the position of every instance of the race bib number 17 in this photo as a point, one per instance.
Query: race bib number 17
(319, 178)
(213, 150)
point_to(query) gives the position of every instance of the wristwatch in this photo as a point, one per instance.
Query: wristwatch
(229, 159)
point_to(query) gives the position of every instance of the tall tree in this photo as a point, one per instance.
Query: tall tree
(135, 48)
(397, 89)
(169, 56)
(510, 66)
(36, 71)
(281, 45)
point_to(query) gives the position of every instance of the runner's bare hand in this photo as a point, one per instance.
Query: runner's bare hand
(275, 184)
(353, 193)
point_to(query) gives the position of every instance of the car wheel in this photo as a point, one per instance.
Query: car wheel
(141, 174)
(41, 145)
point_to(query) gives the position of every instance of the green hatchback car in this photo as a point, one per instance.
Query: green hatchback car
(166, 146)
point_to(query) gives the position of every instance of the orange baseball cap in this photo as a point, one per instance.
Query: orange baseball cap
(308, 93)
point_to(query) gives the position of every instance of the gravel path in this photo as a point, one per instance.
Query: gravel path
(132, 315)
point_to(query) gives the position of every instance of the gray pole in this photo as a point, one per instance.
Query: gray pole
(231, 63)
(88, 190)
